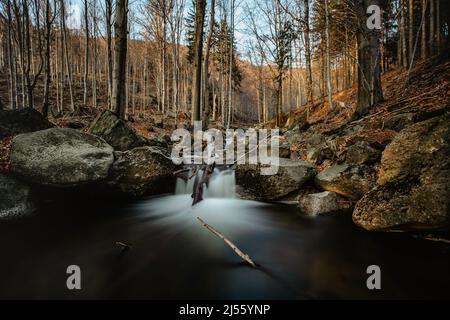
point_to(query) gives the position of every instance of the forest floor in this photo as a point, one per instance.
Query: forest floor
(428, 89)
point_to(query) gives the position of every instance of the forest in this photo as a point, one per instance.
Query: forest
(352, 95)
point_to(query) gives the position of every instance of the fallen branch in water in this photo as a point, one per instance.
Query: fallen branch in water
(244, 256)
(123, 246)
(431, 238)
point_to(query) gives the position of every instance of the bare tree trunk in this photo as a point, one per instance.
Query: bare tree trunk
(327, 35)
(66, 53)
(11, 59)
(432, 37)
(95, 51)
(108, 18)
(120, 58)
(206, 65)
(403, 34)
(438, 26)
(47, 72)
(308, 58)
(411, 30)
(86, 51)
(198, 47)
(369, 70)
(230, 75)
(424, 31)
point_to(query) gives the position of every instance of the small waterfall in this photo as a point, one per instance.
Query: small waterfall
(222, 184)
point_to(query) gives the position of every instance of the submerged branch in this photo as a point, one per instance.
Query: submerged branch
(244, 256)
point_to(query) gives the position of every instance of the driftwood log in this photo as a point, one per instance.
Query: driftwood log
(236, 250)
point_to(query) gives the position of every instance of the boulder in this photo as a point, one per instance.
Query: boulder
(16, 199)
(362, 153)
(351, 181)
(76, 124)
(399, 121)
(142, 171)
(161, 140)
(60, 157)
(323, 203)
(416, 148)
(284, 150)
(290, 177)
(116, 132)
(414, 181)
(14, 122)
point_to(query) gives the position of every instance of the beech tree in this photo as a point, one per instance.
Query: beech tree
(369, 68)
(198, 57)
(120, 56)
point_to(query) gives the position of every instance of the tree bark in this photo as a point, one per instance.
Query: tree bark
(86, 51)
(120, 58)
(432, 36)
(424, 52)
(308, 59)
(198, 47)
(108, 22)
(327, 35)
(206, 64)
(369, 69)
(411, 30)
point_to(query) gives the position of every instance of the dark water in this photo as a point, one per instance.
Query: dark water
(173, 256)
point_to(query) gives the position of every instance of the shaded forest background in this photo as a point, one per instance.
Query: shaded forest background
(292, 54)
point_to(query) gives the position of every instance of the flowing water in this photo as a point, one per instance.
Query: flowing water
(174, 256)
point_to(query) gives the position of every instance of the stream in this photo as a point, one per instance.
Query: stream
(174, 257)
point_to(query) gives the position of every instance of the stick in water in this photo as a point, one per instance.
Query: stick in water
(244, 256)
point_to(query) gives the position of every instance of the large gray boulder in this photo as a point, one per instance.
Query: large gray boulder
(60, 157)
(291, 176)
(413, 189)
(14, 122)
(16, 199)
(142, 171)
(323, 203)
(351, 181)
(116, 132)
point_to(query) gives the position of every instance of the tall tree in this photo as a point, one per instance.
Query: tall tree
(369, 68)
(424, 52)
(198, 56)
(308, 55)
(108, 22)
(86, 51)
(206, 62)
(327, 39)
(411, 30)
(120, 58)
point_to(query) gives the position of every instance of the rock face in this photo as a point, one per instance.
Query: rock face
(285, 150)
(14, 122)
(322, 203)
(351, 181)
(362, 153)
(60, 157)
(414, 182)
(291, 176)
(142, 171)
(16, 199)
(116, 132)
(162, 140)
